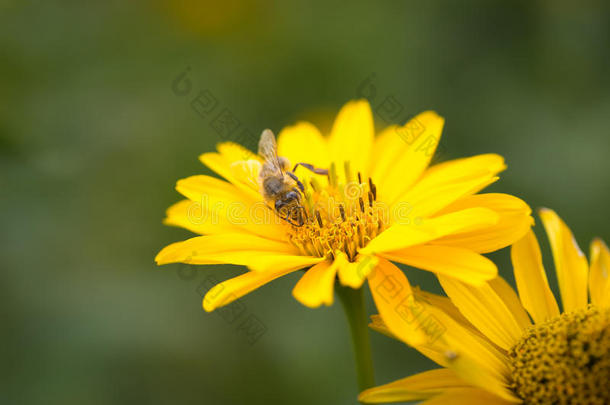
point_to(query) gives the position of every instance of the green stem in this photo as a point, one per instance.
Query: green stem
(355, 311)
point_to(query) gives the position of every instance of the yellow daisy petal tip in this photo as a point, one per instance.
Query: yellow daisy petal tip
(172, 254)
(571, 264)
(209, 303)
(365, 396)
(221, 145)
(228, 147)
(354, 108)
(311, 305)
(546, 212)
(599, 243)
(432, 119)
(162, 257)
(431, 114)
(206, 306)
(359, 102)
(205, 155)
(599, 273)
(314, 305)
(499, 160)
(596, 247)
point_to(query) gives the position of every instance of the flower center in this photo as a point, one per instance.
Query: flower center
(342, 216)
(565, 360)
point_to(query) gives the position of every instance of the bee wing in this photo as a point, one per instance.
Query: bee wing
(267, 149)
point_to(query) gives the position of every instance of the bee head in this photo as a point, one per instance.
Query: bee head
(289, 208)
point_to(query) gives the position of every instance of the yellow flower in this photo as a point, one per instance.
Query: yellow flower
(490, 350)
(380, 201)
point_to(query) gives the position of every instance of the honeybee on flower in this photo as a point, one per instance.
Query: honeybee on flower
(339, 194)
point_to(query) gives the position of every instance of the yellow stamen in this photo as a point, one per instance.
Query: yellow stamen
(337, 217)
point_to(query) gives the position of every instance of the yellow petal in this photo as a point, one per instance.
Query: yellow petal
(395, 302)
(196, 187)
(231, 152)
(413, 159)
(599, 278)
(353, 274)
(247, 172)
(401, 235)
(473, 358)
(570, 263)
(461, 264)
(378, 325)
(486, 310)
(393, 142)
(303, 143)
(230, 290)
(435, 329)
(457, 169)
(199, 247)
(444, 183)
(433, 200)
(387, 147)
(187, 214)
(264, 262)
(468, 396)
(450, 343)
(417, 387)
(218, 205)
(351, 137)
(461, 343)
(508, 295)
(492, 388)
(316, 286)
(514, 221)
(225, 168)
(209, 218)
(257, 253)
(446, 305)
(255, 260)
(532, 284)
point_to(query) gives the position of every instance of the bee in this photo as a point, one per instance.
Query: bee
(280, 187)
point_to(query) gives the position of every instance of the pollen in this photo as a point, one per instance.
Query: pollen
(565, 360)
(341, 215)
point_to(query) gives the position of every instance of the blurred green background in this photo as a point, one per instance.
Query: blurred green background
(92, 140)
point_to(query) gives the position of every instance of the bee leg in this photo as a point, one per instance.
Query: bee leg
(291, 222)
(316, 170)
(296, 220)
(295, 178)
